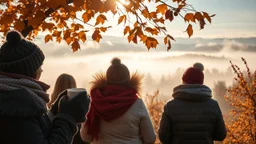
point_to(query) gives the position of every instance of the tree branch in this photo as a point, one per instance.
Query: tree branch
(29, 28)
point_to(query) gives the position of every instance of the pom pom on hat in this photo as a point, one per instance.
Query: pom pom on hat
(117, 72)
(116, 61)
(13, 37)
(199, 66)
(194, 75)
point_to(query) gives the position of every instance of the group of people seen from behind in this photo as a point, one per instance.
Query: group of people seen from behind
(110, 112)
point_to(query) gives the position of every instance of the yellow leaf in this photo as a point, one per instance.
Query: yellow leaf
(47, 38)
(151, 42)
(121, 19)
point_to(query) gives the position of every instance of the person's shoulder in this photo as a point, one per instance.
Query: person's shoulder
(19, 102)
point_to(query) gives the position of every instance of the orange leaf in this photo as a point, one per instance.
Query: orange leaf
(169, 36)
(189, 30)
(19, 25)
(47, 38)
(66, 34)
(153, 31)
(121, 19)
(202, 23)
(166, 40)
(151, 42)
(153, 14)
(87, 15)
(126, 30)
(100, 19)
(169, 45)
(96, 36)
(189, 17)
(75, 46)
(78, 3)
(82, 36)
(68, 40)
(58, 39)
(206, 15)
(162, 8)
(198, 16)
(130, 37)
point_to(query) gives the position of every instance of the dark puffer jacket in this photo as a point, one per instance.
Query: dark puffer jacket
(23, 121)
(192, 117)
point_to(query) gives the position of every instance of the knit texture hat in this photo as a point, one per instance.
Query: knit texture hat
(20, 56)
(194, 75)
(117, 72)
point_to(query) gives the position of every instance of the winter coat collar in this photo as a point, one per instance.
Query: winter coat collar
(192, 92)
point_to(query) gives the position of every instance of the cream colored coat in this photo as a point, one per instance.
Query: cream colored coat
(134, 127)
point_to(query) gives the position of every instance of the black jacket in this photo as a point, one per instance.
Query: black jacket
(192, 117)
(23, 121)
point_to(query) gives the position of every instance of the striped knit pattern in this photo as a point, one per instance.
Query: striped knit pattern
(118, 74)
(24, 58)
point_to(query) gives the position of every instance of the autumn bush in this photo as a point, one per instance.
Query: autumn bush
(155, 108)
(241, 124)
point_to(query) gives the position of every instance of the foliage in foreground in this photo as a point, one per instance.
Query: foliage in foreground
(71, 20)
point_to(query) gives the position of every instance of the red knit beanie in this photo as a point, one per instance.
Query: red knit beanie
(194, 75)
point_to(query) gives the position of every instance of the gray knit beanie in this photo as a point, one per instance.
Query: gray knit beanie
(20, 56)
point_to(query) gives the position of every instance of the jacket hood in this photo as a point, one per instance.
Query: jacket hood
(100, 81)
(192, 92)
(19, 102)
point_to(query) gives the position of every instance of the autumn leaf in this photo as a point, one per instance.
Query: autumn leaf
(78, 3)
(153, 31)
(162, 8)
(75, 46)
(151, 42)
(198, 16)
(87, 15)
(169, 15)
(166, 40)
(170, 37)
(100, 19)
(189, 30)
(19, 25)
(169, 45)
(47, 38)
(206, 15)
(121, 19)
(189, 17)
(48, 26)
(126, 30)
(82, 36)
(96, 36)
(66, 34)
(68, 40)
(202, 23)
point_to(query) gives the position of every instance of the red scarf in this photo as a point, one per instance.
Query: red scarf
(108, 103)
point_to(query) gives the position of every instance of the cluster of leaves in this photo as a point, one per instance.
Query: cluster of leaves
(62, 21)
(241, 125)
(155, 108)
